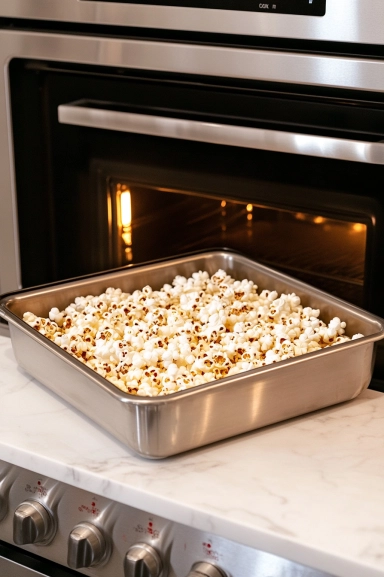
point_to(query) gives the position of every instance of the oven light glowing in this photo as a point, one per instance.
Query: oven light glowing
(249, 207)
(319, 220)
(125, 208)
(223, 203)
(127, 235)
(128, 254)
(358, 227)
(125, 217)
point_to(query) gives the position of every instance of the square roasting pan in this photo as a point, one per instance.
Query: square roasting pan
(158, 427)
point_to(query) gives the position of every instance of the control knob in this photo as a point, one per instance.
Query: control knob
(205, 570)
(86, 546)
(3, 507)
(32, 523)
(7, 478)
(142, 560)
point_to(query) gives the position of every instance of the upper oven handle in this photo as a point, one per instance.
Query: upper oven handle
(78, 114)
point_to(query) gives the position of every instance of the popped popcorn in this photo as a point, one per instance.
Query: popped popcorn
(194, 331)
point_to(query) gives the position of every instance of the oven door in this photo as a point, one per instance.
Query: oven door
(275, 154)
(139, 159)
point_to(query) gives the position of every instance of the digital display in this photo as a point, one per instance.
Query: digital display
(300, 7)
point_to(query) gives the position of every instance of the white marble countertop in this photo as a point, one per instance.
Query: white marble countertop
(310, 489)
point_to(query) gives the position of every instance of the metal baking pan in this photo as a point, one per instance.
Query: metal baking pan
(158, 427)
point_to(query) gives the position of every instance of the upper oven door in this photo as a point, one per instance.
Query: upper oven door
(265, 152)
(330, 20)
(218, 146)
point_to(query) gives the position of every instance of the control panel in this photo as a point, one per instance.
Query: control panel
(301, 7)
(96, 536)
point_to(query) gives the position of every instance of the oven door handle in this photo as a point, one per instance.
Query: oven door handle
(79, 114)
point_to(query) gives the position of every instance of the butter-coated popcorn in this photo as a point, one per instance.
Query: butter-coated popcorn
(195, 331)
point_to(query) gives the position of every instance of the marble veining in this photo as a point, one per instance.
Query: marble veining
(310, 489)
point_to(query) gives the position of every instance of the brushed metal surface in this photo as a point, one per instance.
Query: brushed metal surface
(337, 71)
(344, 21)
(158, 427)
(223, 134)
(120, 522)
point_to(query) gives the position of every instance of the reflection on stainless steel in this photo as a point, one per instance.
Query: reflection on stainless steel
(344, 21)
(224, 134)
(228, 406)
